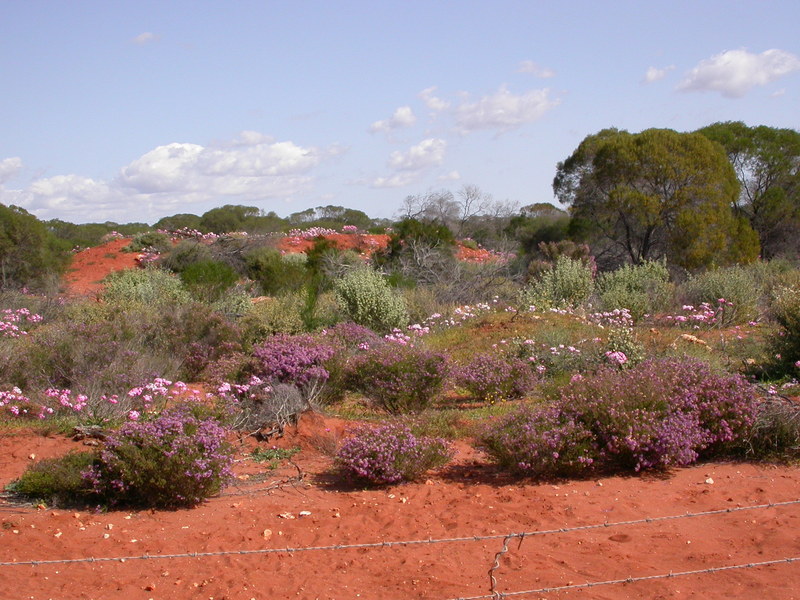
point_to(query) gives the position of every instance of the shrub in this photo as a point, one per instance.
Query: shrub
(785, 347)
(294, 359)
(390, 454)
(176, 460)
(661, 413)
(150, 287)
(207, 280)
(368, 300)
(776, 431)
(275, 273)
(272, 316)
(540, 442)
(642, 289)
(398, 378)
(735, 285)
(256, 405)
(57, 481)
(149, 240)
(490, 377)
(185, 254)
(622, 342)
(568, 284)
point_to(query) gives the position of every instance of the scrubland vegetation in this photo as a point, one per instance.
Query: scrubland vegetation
(637, 332)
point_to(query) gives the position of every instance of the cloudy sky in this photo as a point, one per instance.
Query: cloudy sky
(131, 111)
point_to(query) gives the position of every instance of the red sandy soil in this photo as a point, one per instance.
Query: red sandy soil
(360, 242)
(466, 499)
(90, 266)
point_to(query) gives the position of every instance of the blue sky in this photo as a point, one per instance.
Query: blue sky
(131, 111)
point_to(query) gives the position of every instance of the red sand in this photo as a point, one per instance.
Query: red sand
(464, 500)
(90, 266)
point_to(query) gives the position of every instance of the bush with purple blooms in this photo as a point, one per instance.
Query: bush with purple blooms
(176, 460)
(659, 414)
(398, 378)
(541, 441)
(390, 454)
(294, 359)
(491, 377)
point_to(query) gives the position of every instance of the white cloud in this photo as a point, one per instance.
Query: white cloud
(177, 177)
(402, 117)
(504, 110)
(655, 74)
(428, 153)
(735, 72)
(9, 167)
(431, 101)
(451, 176)
(528, 66)
(394, 181)
(145, 38)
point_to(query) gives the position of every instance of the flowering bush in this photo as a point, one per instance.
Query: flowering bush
(661, 413)
(10, 321)
(731, 292)
(491, 377)
(540, 442)
(390, 453)
(640, 289)
(653, 416)
(294, 359)
(175, 460)
(399, 378)
(785, 347)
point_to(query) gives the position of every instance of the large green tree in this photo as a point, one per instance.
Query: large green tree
(767, 164)
(655, 194)
(29, 254)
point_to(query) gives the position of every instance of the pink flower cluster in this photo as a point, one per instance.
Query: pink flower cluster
(9, 319)
(702, 315)
(616, 357)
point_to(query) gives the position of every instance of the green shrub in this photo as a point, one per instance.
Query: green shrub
(149, 240)
(207, 280)
(270, 316)
(57, 481)
(368, 300)
(735, 285)
(776, 431)
(568, 284)
(185, 254)
(276, 273)
(785, 347)
(642, 289)
(149, 287)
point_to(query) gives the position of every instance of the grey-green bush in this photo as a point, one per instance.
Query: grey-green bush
(734, 284)
(367, 299)
(642, 289)
(150, 287)
(568, 284)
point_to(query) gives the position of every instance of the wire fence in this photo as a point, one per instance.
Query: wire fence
(506, 538)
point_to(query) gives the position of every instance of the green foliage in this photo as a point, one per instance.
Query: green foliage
(765, 160)
(29, 254)
(57, 481)
(179, 221)
(367, 299)
(272, 456)
(149, 287)
(275, 273)
(185, 254)
(776, 431)
(150, 240)
(623, 339)
(207, 280)
(569, 283)
(271, 316)
(735, 285)
(655, 194)
(642, 289)
(228, 218)
(785, 347)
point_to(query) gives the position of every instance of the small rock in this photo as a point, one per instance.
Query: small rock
(709, 481)
(286, 515)
(266, 534)
(304, 513)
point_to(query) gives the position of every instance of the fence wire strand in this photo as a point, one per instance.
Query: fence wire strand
(388, 544)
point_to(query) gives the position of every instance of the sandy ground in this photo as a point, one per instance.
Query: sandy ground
(275, 534)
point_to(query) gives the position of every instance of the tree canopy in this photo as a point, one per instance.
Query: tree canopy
(655, 194)
(767, 163)
(28, 252)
